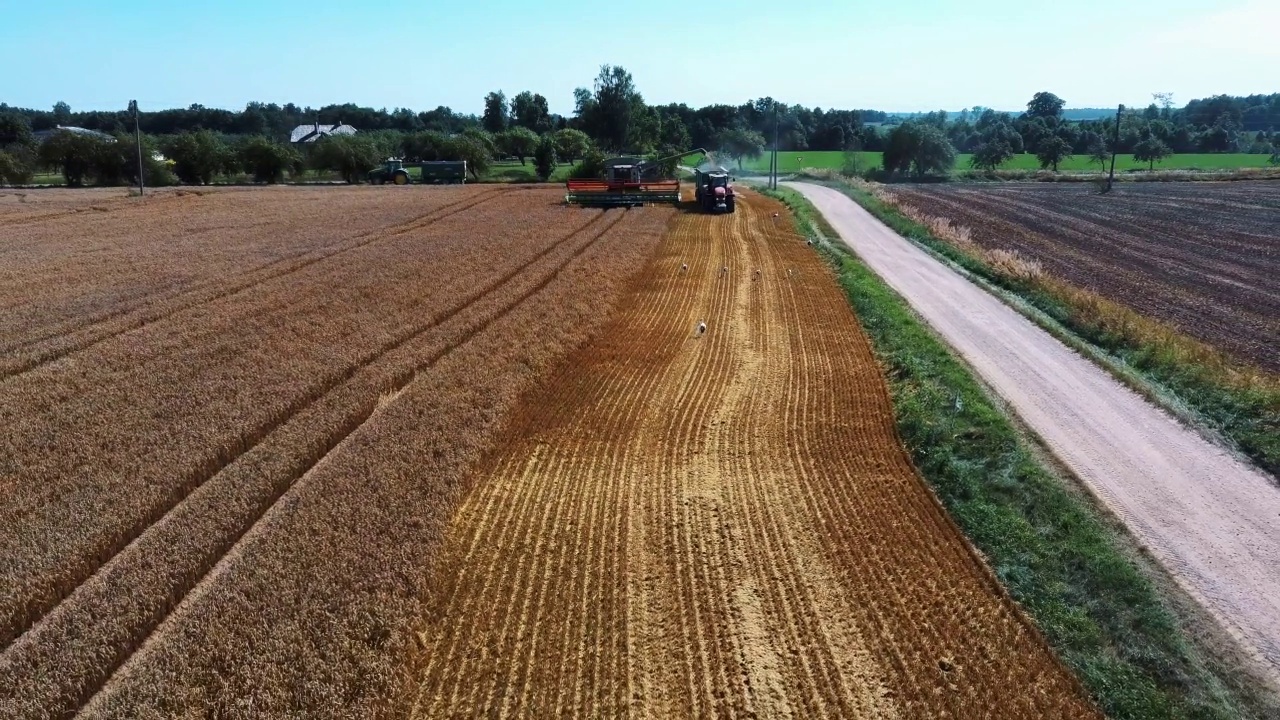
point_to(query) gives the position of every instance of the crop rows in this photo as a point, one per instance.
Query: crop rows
(236, 248)
(721, 525)
(278, 462)
(1200, 256)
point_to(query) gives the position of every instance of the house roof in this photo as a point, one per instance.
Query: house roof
(314, 131)
(43, 135)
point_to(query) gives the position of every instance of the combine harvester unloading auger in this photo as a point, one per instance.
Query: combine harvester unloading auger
(627, 182)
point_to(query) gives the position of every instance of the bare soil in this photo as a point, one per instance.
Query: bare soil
(1204, 257)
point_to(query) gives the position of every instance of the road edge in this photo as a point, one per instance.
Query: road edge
(1208, 682)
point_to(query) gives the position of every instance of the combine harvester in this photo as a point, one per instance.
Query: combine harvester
(627, 182)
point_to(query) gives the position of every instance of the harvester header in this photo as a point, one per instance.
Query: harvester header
(627, 182)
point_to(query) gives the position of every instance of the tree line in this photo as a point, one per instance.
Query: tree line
(200, 144)
(928, 144)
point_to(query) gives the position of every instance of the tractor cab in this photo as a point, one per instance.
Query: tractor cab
(622, 174)
(392, 171)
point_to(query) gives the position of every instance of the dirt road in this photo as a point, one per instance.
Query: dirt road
(1209, 519)
(724, 524)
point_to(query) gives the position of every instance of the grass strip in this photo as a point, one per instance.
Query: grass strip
(1058, 555)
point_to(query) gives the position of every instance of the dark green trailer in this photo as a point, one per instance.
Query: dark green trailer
(444, 171)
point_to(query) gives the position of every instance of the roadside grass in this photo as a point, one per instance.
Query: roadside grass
(794, 161)
(1237, 402)
(1059, 556)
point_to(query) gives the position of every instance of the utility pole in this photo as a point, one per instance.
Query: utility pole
(137, 140)
(1115, 145)
(773, 169)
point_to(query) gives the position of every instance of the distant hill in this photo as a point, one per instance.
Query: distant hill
(1087, 113)
(1067, 114)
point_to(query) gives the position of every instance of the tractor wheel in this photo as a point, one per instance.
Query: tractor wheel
(401, 178)
(376, 180)
(729, 205)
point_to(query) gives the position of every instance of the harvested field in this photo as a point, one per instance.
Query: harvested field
(1204, 257)
(235, 424)
(684, 526)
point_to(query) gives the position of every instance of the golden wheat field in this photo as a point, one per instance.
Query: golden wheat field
(432, 452)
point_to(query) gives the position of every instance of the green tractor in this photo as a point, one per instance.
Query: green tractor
(392, 171)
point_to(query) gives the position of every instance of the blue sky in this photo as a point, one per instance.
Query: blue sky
(899, 55)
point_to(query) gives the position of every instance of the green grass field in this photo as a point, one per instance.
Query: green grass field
(832, 160)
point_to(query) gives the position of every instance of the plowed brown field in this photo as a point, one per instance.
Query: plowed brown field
(685, 526)
(1202, 256)
(233, 425)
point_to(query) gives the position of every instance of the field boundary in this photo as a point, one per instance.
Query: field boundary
(1232, 405)
(1065, 562)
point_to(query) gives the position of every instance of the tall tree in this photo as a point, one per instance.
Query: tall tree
(1098, 151)
(518, 141)
(1045, 105)
(1151, 151)
(919, 149)
(61, 113)
(495, 112)
(14, 128)
(609, 113)
(739, 143)
(529, 110)
(991, 155)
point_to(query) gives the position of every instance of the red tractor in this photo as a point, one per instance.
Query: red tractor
(713, 189)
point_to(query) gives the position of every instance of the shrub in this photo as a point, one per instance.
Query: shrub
(591, 166)
(544, 158)
(197, 157)
(72, 154)
(15, 167)
(427, 145)
(351, 156)
(571, 144)
(518, 141)
(267, 160)
(473, 148)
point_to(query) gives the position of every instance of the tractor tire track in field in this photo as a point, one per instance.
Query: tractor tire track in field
(268, 269)
(102, 328)
(222, 506)
(722, 525)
